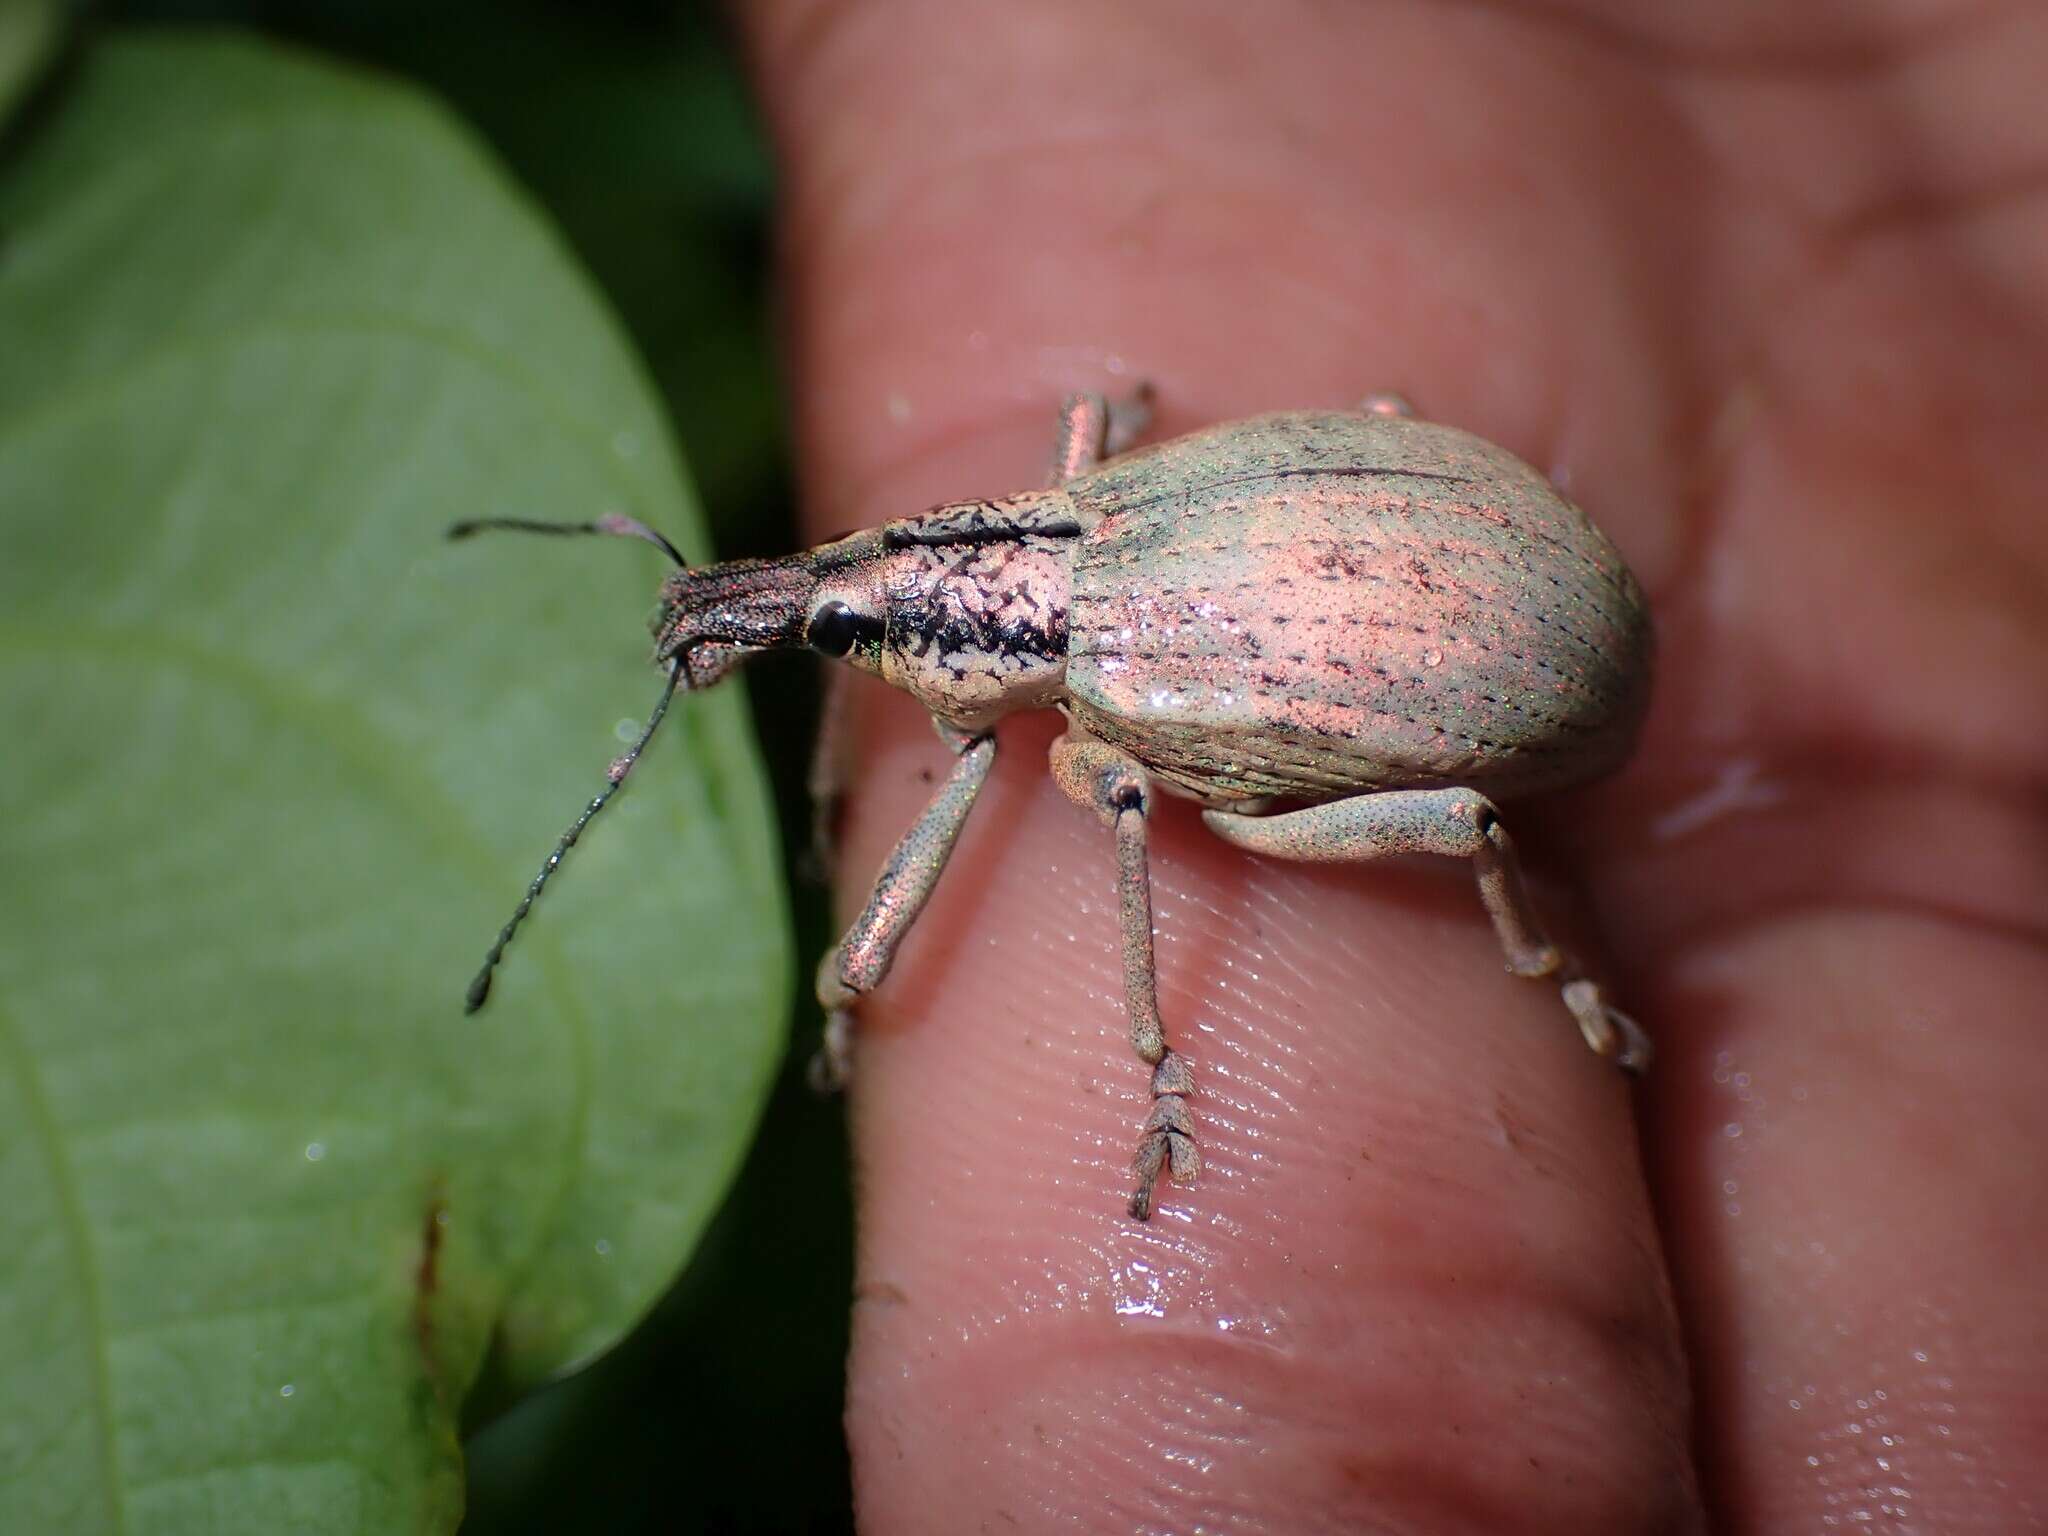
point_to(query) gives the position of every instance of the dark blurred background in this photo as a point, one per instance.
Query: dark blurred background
(628, 120)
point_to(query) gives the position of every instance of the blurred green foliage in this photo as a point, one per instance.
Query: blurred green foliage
(629, 124)
(29, 33)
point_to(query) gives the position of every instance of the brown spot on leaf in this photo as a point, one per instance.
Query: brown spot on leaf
(426, 1283)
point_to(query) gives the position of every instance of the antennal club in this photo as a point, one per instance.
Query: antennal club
(480, 989)
(612, 522)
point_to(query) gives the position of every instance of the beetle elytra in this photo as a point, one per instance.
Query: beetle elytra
(1343, 633)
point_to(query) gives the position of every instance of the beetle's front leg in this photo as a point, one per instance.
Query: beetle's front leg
(1113, 785)
(857, 964)
(1464, 824)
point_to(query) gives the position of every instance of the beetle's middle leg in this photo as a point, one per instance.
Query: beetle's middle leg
(1115, 787)
(1093, 428)
(859, 961)
(1461, 823)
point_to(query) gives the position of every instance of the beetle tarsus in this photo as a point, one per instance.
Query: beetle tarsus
(831, 1067)
(1611, 1034)
(1168, 1144)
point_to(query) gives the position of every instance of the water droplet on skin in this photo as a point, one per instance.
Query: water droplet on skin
(315, 1150)
(1732, 1129)
(897, 407)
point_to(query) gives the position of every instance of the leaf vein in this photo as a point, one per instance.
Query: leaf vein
(48, 1134)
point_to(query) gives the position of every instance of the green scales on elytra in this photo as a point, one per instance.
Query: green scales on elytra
(1342, 632)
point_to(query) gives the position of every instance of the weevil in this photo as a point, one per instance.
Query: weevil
(1346, 634)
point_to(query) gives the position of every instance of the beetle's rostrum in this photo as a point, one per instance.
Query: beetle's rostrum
(1343, 633)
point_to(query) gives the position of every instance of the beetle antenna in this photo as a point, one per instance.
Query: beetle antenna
(612, 522)
(480, 988)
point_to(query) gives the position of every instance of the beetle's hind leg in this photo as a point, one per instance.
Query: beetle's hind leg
(1113, 785)
(1460, 823)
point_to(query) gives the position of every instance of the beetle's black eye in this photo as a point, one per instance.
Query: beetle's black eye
(836, 629)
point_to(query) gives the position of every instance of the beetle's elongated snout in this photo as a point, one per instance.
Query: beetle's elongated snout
(713, 617)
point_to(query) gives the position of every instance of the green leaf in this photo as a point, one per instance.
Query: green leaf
(278, 762)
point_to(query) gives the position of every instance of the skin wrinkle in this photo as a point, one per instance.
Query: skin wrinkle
(1821, 843)
(1606, 24)
(1833, 240)
(1780, 1083)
